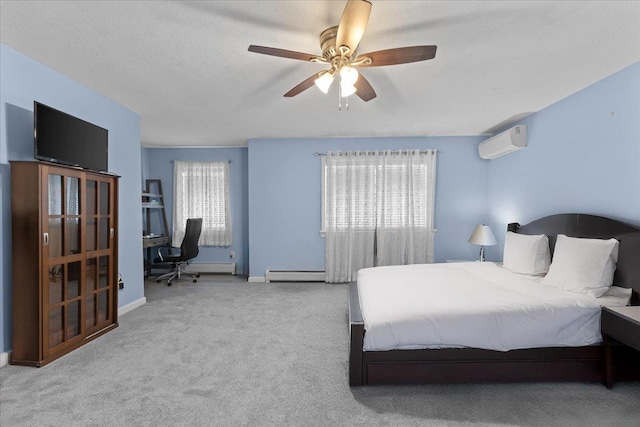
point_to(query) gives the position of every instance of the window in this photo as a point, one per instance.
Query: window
(397, 197)
(344, 197)
(377, 210)
(201, 190)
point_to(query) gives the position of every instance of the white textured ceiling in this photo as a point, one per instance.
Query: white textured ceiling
(185, 68)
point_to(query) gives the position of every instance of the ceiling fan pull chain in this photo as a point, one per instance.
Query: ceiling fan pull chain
(339, 98)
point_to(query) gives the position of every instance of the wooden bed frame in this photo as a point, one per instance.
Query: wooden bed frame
(458, 365)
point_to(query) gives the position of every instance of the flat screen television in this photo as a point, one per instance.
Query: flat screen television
(62, 138)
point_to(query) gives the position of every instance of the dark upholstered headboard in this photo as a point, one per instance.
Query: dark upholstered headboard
(595, 227)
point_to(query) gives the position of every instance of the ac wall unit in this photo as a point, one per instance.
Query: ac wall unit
(504, 143)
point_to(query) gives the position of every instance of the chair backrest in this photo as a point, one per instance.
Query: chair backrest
(189, 246)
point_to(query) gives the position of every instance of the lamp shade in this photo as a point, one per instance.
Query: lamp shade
(324, 81)
(346, 89)
(483, 236)
(348, 75)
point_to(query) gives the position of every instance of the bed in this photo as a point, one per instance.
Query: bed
(383, 355)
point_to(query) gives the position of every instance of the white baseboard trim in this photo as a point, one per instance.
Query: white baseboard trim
(213, 267)
(294, 276)
(131, 306)
(257, 279)
(4, 358)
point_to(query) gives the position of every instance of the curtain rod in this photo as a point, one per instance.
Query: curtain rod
(373, 152)
(228, 161)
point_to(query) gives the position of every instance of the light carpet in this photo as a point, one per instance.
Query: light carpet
(223, 352)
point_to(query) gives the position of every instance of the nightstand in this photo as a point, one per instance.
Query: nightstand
(621, 324)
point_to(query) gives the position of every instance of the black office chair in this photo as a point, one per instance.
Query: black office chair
(188, 251)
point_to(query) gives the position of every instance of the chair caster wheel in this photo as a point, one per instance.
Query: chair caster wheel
(195, 280)
(157, 280)
(169, 283)
(197, 274)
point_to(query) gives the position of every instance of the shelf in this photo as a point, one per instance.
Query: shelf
(155, 227)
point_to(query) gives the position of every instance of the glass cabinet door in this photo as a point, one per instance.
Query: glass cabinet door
(78, 254)
(91, 215)
(56, 298)
(104, 223)
(91, 288)
(98, 215)
(63, 221)
(55, 218)
(63, 310)
(72, 215)
(99, 268)
(98, 288)
(62, 249)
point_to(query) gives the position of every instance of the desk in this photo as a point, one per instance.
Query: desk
(621, 324)
(151, 241)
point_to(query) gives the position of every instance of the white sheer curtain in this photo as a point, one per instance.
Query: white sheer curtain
(406, 194)
(350, 215)
(378, 210)
(201, 190)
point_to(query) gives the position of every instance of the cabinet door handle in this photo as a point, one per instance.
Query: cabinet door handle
(112, 233)
(46, 238)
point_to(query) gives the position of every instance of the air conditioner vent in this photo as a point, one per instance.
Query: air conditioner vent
(506, 142)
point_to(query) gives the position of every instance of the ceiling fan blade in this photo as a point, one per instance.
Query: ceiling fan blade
(400, 55)
(364, 89)
(352, 24)
(302, 86)
(283, 53)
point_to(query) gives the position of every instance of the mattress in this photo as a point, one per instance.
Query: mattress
(479, 305)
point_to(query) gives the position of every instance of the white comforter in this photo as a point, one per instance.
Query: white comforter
(473, 304)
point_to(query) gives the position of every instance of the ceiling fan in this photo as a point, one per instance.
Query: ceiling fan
(339, 45)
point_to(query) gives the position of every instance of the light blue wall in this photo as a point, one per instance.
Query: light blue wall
(159, 163)
(583, 155)
(144, 161)
(23, 80)
(285, 191)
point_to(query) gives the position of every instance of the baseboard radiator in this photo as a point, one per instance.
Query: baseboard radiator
(213, 267)
(294, 276)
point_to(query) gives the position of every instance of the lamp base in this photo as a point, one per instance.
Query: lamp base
(481, 254)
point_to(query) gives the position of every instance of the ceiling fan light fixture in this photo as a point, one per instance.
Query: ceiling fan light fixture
(348, 75)
(324, 81)
(346, 89)
(339, 45)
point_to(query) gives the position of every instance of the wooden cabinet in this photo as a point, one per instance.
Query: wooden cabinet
(64, 251)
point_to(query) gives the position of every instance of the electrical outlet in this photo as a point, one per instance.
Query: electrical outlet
(232, 254)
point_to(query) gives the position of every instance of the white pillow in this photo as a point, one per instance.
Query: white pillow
(526, 254)
(583, 265)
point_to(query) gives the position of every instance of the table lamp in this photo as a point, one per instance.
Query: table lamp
(482, 236)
